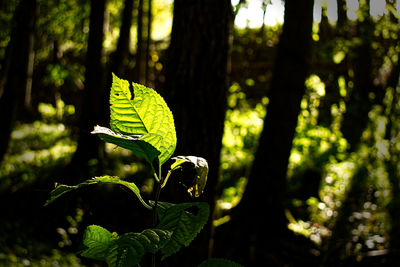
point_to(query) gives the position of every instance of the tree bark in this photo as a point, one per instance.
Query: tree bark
(259, 221)
(355, 119)
(148, 40)
(391, 163)
(394, 178)
(139, 45)
(196, 91)
(13, 93)
(120, 56)
(91, 109)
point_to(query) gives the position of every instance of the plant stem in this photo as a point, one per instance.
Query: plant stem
(156, 197)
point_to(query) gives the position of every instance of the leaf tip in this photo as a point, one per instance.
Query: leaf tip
(96, 129)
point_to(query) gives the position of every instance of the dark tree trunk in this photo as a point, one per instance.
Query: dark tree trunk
(119, 59)
(332, 95)
(91, 109)
(259, 225)
(31, 61)
(139, 45)
(16, 76)
(148, 40)
(120, 56)
(342, 17)
(391, 163)
(196, 91)
(355, 119)
(394, 178)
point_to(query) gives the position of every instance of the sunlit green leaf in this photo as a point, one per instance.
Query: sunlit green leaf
(146, 119)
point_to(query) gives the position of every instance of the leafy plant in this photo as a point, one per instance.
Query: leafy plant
(144, 124)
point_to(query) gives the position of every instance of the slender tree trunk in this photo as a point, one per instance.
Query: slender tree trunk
(342, 17)
(139, 45)
(16, 76)
(91, 109)
(355, 119)
(394, 179)
(196, 91)
(259, 225)
(120, 56)
(392, 135)
(148, 40)
(31, 61)
(119, 59)
(332, 95)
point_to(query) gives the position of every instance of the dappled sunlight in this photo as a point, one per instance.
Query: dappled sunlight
(341, 193)
(314, 231)
(243, 125)
(35, 146)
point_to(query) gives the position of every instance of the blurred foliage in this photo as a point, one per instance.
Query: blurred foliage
(321, 169)
(7, 9)
(30, 257)
(37, 148)
(243, 125)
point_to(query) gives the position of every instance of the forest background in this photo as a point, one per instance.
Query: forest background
(297, 116)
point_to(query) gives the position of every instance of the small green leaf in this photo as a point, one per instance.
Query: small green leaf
(96, 241)
(183, 224)
(62, 189)
(146, 118)
(216, 262)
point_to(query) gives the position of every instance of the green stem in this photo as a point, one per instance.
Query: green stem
(155, 175)
(156, 197)
(168, 174)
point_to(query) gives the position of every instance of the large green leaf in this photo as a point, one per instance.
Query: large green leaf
(62, 189)
(96, 242)
(217, 262)
(128, 249)
(124, 250)
(146, 118)
(184, 221)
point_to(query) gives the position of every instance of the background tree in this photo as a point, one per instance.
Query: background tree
(356, 117)
(148, 40)
(260, 218)
(139, 45)
(16, 69)
(91, 109)
(121, 54)
(196, 89)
